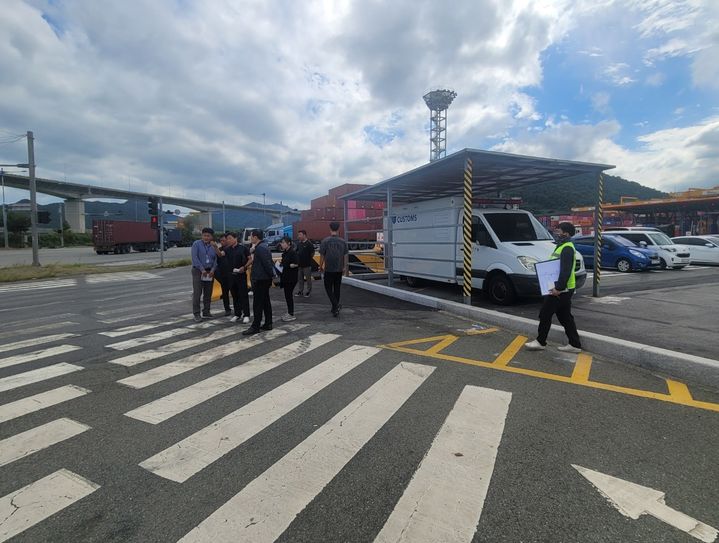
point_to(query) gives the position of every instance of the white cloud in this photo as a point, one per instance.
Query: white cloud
(290, 98)
(665, 159)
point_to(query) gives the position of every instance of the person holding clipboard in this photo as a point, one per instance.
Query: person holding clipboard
(559, 299)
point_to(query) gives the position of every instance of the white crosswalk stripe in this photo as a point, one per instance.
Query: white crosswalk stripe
(38, 285)
(38, 438)
(444, 499)
(186, 458)
(172, 348)
(159, 336)
(177, 367)
(127, 330)
(35, 376)
(168, 406)
(40, 401)
(31, 504)
(37, 355)
(120, 276)
(34, 342)
(266, 507)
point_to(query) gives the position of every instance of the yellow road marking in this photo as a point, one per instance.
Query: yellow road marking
(510, 352)
(678, 392)
(582, 367)
(478, 331)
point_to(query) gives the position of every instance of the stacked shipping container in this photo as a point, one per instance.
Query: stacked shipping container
(329, 208)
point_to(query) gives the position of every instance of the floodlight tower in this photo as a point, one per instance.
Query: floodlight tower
(438, 102)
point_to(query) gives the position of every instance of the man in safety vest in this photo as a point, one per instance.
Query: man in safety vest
(559, 300)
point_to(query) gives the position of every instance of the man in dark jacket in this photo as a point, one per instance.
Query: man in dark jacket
(305, 253)
(262, 272)
(334, 262)
(237, 255)
(224, 272)
(559, 300)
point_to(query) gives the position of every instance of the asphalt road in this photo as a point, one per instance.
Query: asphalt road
(86, 255)
(672, 309)
(238, 446)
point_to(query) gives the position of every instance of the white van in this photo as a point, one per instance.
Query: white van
(427, 244)
(670, 254)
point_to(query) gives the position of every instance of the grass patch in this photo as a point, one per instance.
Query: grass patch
(27, 273)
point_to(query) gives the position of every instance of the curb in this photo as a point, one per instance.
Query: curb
(688, 367)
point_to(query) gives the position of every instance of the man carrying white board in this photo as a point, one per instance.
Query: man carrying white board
(559, 300)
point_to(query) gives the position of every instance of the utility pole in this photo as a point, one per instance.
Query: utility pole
(33, 197)
(4, 211)
(162, 232)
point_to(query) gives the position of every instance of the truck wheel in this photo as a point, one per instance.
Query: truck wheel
(624, 265)
(500, 290)
(413, 282)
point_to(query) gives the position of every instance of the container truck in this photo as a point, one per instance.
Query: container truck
(121, 237)
(426, 243)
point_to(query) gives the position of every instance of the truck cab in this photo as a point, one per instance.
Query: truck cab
(426, 243)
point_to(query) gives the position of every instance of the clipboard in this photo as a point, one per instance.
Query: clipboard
(547, 274)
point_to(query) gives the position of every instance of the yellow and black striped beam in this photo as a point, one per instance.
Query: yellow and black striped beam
(598, 225)
(467, 233)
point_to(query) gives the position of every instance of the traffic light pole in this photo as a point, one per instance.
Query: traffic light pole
(161, 228)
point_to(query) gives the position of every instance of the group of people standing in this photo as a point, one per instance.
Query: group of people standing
(229, 260)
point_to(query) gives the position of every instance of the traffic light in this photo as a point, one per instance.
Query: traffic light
(154, 223)
(43, 217)
(152, 206)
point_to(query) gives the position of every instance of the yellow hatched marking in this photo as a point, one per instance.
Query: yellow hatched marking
(510, 352)
(582, 367)
(678, 392)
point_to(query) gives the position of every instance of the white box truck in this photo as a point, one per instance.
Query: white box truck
(426, 243)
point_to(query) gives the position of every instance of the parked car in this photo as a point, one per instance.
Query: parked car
(617, 252)
(670, 254)
(704, 249)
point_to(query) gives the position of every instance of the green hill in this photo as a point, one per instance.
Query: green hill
(559, 197)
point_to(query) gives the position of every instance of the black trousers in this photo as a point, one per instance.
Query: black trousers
(333, 282)
(261, 303)
(289, 297)
(226, 284)
(561, 306)
(240, 297)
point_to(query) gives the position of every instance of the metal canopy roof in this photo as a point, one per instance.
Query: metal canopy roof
(491, 172)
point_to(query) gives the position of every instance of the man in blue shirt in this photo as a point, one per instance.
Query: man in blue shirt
(204, 265)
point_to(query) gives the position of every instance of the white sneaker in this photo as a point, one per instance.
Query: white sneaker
(234, 319)
(569, 349)
(289, 318)
(534, 346)
(245, 320)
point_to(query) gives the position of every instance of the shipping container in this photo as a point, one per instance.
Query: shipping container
(120, 237)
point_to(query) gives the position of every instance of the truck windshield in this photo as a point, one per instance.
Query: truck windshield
(516, 227)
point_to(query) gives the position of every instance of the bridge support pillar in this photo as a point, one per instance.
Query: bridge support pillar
(205, 220)
(75, 214)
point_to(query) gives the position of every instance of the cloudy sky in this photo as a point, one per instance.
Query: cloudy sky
(231, 98)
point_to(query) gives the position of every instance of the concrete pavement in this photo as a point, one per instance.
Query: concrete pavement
(399, 376)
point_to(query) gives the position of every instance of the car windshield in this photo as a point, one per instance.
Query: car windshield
(622, 241)
(714, 240)
(660, 239)
(516, 227)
